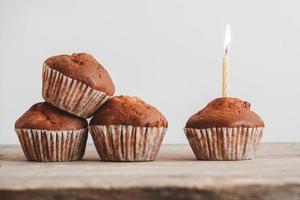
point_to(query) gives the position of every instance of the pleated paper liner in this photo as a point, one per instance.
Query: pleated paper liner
(52, 146)
(224, 143)
(70, 95)
(127, 143)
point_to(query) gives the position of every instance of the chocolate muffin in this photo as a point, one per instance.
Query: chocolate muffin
(49, 134)
(127, 129)
(76, 83)
(226, 129)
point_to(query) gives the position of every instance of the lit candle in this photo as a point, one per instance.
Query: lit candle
(227, 46)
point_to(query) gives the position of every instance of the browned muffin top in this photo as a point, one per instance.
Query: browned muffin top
(225, 112)
(127, 110)
(83, 67)
(44, 116)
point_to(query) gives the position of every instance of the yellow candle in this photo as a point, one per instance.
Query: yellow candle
(225, 76)
(225, 61)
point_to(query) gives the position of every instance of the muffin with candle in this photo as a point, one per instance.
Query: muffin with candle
(127, 129)
(49, 134)
(226, 129)
(76, 83)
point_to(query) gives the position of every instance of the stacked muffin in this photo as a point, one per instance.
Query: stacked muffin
(74, 87)
(127, 129)
(77, 84)
(49, 134)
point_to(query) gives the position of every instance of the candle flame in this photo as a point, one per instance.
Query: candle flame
(227, 40)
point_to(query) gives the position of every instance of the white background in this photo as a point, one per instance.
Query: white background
(167, 52)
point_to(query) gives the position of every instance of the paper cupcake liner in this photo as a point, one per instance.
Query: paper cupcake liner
(47, 146)
(224, 143)
(70, 95)
(127, 143)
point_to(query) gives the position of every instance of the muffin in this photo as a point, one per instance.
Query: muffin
(76, 83)
(226, 129)
(49, 134)
(127, 129)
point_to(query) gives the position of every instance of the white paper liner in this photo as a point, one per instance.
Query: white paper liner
(127, 143)
(224, 143)
(47, 146)
(70, 95)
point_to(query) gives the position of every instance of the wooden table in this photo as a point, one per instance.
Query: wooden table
(176, 174)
